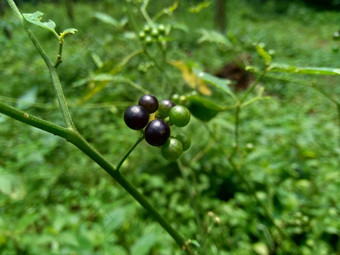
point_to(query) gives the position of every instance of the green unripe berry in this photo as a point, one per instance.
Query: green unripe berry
(185, 141)
(148, 40)
(161, 29)
(164, 107)
(142, 35)
(154, 33)
(179, 115)
(172, 149)
(147, 29)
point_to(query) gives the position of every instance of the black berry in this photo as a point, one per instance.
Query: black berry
(136, 117)
(157, 132)
(150, 103)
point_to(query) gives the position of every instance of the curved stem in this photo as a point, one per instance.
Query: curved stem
(141, 138)
(55, 78)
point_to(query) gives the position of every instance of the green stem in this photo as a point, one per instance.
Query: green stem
(253, 86)
(55, 78)
(145, 13)
(194, 205)
(338, 108)
(76, 139)
(141, 138)
(60, 53)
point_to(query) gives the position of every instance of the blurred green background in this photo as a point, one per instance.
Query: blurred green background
(54, 200)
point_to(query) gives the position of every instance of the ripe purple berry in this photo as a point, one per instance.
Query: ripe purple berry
(157, 132)
(150, 103)
(136, 117)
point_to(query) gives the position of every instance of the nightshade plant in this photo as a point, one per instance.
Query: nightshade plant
(200, 107)
(69, 131)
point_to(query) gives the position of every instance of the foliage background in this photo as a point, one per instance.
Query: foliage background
(53, 200)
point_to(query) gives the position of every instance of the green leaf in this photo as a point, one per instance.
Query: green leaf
(28, 99)
(202, 108)
(68, 31)
(198, 8)
(215, 81)
(103, 17)
(211, 36)
(276, 67)
(35, 18)
(264, 54)
(143, 245)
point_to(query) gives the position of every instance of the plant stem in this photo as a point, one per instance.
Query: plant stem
(338, 108)
(194, 205)
(145, 13)
(141, 138)
(55, 78)
(253, 86)
(76, 139)
(60, 52)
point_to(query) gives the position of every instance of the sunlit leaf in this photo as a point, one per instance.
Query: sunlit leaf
(35, 18)
(215, 81)
(103, 17)
(198, 8)
(105, 74)
(275, 67)
(28, 99)
(68, 31)
(189, 76)
(168, 11)
(263, 54)
(212, 36)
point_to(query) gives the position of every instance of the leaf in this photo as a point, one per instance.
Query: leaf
(103, 17)
(276, 67)
(35, 18)
(189, 76)
(12, 186)
(198, 8)
(143, 245)
(28, 99)
(264, 54)
(68, 238)
(215, 81)
(168, 11)
(213, 37)
(68, 32)
(104, 75)
(202, 108)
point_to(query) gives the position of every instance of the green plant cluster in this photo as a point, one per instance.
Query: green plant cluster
(262, 174)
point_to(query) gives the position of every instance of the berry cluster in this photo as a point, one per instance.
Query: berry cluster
(151, 34)
(157, 130)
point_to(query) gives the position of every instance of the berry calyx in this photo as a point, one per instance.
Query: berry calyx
(165, 107)
(179, 115)
(172, 150)
(136, 117)
(150, 103)
(157, 132)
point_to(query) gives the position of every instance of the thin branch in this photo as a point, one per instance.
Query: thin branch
(141, 138)
(55, 78)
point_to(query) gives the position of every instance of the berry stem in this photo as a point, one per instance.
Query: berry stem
(141, 138)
